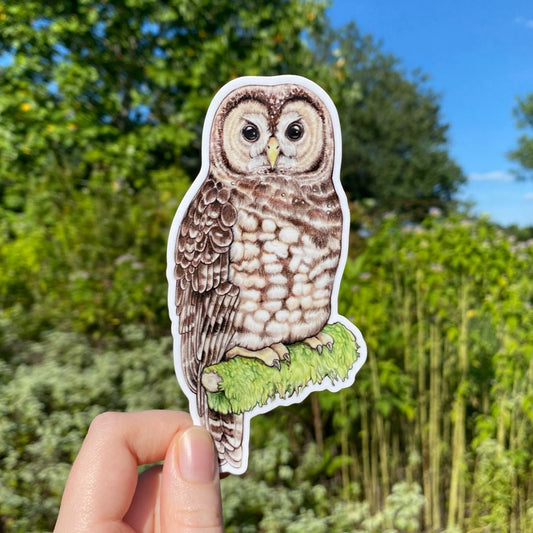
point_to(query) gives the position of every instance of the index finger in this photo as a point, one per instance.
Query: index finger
(103, 478)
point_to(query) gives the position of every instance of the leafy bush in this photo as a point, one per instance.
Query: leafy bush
(277, 495)
(446, 311)
(48, 401)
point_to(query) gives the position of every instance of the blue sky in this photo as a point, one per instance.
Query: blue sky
(479, 56)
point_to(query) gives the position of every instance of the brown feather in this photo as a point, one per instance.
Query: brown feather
(205, 303)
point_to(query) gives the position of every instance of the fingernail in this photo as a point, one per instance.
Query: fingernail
(196, 456)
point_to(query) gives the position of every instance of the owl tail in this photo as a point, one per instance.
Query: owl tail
(227, 431)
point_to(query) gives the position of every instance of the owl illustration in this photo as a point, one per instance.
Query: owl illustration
(259, 240)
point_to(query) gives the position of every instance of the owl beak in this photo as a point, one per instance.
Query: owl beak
(272, 151)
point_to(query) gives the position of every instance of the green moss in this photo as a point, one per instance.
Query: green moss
(247, 383)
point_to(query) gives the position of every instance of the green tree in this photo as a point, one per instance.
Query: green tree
(118, 88)
(523, 154)
(100, 115)
(395, 146)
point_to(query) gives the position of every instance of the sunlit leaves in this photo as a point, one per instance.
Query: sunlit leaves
(101, 111)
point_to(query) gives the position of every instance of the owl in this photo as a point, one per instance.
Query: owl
(257, 243)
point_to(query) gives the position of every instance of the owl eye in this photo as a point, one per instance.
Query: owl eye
(294, 131)
(250, 133)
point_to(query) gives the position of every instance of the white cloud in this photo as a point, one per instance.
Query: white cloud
(493, 175)
(523, 21)
(528, 196)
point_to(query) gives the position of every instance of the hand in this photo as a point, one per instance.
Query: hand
(103, 493)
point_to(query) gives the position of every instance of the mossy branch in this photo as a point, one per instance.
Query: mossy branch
(241, 384)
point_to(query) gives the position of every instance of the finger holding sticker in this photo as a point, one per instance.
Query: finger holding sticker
(103, 492)
(255, 256)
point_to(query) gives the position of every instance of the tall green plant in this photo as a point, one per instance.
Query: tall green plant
(447, 305)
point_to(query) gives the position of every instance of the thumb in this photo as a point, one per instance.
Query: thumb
(190, 485)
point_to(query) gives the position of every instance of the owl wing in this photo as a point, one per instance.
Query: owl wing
(205, 297)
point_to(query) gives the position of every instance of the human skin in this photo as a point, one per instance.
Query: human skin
(104, 493)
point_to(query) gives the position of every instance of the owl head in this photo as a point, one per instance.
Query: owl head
(273, 126)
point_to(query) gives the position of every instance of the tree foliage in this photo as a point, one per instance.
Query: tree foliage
(115, 90)
(101, 113)
(100, 117)
(395, 147)
(523, 154)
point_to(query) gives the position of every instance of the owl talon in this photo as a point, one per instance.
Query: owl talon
(318, 342)
(270, 355)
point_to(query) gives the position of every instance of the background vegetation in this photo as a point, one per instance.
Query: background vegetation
(101, 111)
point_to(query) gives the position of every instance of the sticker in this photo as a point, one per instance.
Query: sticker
(255, 257)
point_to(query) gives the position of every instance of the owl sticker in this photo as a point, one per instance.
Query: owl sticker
(255, 257)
